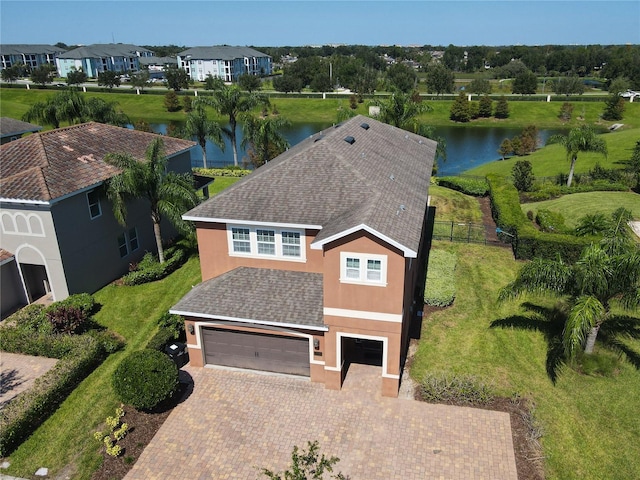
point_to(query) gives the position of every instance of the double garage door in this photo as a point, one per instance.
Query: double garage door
(256, 351)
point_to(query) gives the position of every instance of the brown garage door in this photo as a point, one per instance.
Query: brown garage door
(256, 351)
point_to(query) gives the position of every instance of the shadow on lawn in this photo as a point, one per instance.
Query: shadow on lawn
(550, 322)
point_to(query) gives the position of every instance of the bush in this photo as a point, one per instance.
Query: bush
(523, 177)
(150, 269)
(454, 389)
(83, 301)
(145, 378)
(552, 222)
(31, 318)
(231, 171)
(475, 186)
(17, 340)
(28, 410)
(160, 340)
(66, 319)
(440, 288)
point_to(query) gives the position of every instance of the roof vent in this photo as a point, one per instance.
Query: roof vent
(350, 140)
(365, 126)
(392, 176)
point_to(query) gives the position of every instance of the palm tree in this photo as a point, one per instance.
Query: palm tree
(400, 110)
(169, 194)
(602, 274)
(264, 137)
(199, 126)
(230, 101)
(580, 139)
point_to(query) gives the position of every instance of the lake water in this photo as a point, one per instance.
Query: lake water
(466, 147)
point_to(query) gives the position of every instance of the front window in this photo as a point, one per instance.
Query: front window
(291, 244)
(363, 268)
(266, 242)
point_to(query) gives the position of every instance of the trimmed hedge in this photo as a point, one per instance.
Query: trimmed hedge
(528, 242)
(550, 191)
(28, 410)
(145, 378)
(440, 288)
(474, 186)
(552, 222)
(150, 270)
(222, 172)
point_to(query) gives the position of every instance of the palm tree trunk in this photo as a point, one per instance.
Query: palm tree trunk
(234, 146)
(591, 339)
(573, 166)
(158, 235)
(204, 157)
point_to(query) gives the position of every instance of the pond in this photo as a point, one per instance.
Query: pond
(467, 147)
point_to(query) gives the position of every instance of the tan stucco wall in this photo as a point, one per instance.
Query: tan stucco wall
(215, 260)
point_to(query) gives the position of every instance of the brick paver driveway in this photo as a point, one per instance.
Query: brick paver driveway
(235, 423)
(18, 372)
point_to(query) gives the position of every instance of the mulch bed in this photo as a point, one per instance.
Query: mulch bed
(142, 428)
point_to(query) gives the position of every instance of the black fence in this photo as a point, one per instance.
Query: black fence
(466, 233)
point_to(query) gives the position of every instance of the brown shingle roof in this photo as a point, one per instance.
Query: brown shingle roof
(260, 295)
(381, 180)
(5, 255)
(49, 165)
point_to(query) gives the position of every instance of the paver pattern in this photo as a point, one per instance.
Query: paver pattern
(18, 372)
(235, 423)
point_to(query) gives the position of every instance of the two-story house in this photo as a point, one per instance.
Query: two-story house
(58, 232)
(317, 259)
(98, 58)
(225, 62)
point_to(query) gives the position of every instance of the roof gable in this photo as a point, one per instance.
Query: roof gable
(378, 181)
(49, 165)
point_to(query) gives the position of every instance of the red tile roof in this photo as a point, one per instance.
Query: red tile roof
(49, 165)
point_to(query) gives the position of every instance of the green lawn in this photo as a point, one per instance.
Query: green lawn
(453, 206)
(64, 443)
(591, 424)
(552, 160)
(14, 102)
(220, 183)
(576, 205)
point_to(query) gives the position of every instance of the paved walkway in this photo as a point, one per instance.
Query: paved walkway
(18, 372)
(235, 423)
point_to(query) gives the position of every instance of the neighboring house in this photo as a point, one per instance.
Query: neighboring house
(156, 65)
(317, 259)
(58, 231)
(224, 62)
(12, 129)
(98, 58)
(32, 56)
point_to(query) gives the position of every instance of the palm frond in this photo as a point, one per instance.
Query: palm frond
(586, 313)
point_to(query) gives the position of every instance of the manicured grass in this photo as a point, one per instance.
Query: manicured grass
(577, 205)
(14, 102)
(552, 160)
(590, 423)
(220, 183)
(65, 443)
(453, 206)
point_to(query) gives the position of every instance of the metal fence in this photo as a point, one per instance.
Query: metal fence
(466, 233)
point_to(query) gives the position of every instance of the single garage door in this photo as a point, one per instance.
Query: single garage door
(256, 351)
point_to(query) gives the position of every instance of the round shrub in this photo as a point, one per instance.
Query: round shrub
(145, 378)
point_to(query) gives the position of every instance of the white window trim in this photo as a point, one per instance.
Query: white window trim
(253, 242)
(363, 258)
(92, 217)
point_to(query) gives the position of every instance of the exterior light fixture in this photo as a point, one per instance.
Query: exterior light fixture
(316, 344)
(190, 328)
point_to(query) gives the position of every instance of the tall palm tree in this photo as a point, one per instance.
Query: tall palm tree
(169, 194)
(601, 275)
(580, 139)
(230, 101)
(263, 135)
(199, 126)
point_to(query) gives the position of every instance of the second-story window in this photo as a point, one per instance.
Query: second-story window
(93, 199)
(260, 242)
(363, 268)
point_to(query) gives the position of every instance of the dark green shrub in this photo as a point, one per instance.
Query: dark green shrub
(173, 323)
(160, 340)
(598, 172)
(145, 378)
(150, 270)
(29, 409)
(440, 287)
(110, 341)
(475, 186)
(231, 171)
(549, 221)
(454, 389)
(31, 318)
(523, 177)
(83, 301)
(592, 224)
(17, 340)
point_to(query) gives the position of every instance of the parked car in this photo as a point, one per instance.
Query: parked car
(630, 94)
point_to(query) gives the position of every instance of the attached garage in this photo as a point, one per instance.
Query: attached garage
(256, 351)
